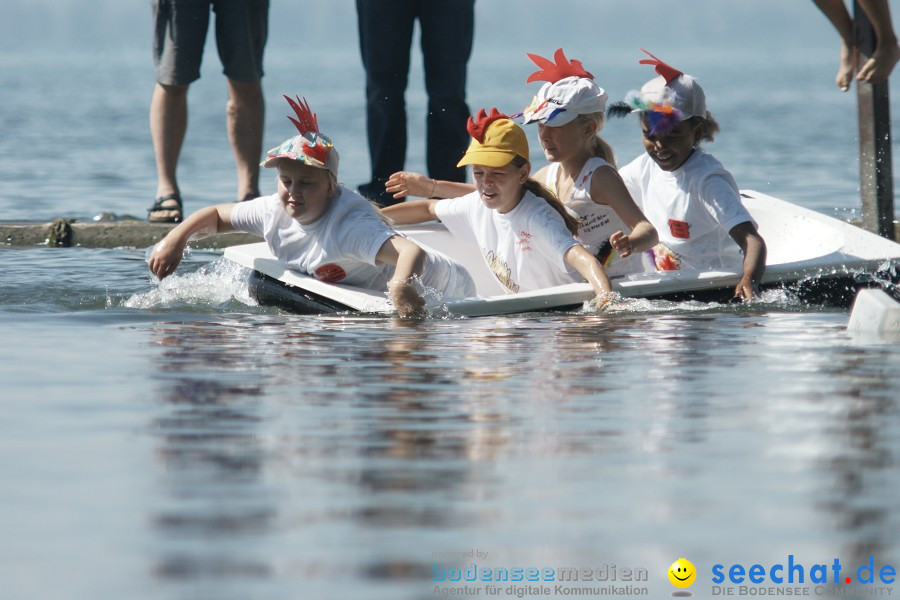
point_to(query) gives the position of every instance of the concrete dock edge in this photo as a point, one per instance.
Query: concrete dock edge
(64, 233)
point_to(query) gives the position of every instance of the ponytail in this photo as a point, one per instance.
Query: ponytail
(601, 149)
(598, 145)
(572, 224)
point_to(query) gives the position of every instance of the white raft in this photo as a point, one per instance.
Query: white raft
(822, 259)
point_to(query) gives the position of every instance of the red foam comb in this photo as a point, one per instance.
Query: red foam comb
(306, 121)
(477, 129)
(554, 71)
(667, 71)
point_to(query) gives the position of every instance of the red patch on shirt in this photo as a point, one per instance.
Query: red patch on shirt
(679, 229)
(330, 273)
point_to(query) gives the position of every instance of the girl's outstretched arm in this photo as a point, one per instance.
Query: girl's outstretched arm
(410, 213)
(754, 249)
(406, 183)
(167, 253)
(608, 188)
(408, 260)
(590, 268)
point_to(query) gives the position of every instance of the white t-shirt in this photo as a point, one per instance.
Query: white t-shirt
(598, 221)
(693, 208)
(524, 248)
(341, 246)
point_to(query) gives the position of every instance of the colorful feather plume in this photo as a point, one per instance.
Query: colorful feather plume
(559, 68)
(478, 129)
(668, 72)
(662, 118)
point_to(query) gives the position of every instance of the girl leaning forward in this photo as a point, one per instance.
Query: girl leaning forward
(320, 228)
(525, 235)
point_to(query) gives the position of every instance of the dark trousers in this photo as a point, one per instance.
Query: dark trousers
(385, 38)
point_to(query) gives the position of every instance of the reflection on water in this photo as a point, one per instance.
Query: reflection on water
(335, 455)
(209, 456)
(196, 446)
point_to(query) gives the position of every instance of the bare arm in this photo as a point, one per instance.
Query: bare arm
(406, 183)
(412, 212)
(408, 260)
(588, 267)
(608, 188)
(754, 249)
(167, 254)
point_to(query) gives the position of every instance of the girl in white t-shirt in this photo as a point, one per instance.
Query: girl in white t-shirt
(322, 229)
(569, 111)
(689, 197)
(525, 235)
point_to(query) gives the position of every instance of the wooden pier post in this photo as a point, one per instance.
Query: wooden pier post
(876, 179)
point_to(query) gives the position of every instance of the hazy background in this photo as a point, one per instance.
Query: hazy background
(123, 25)
(76, 79)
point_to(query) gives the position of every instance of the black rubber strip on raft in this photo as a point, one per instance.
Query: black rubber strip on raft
(836, 292)
(271, 292)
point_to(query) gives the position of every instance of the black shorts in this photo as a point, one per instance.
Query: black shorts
(181, 25)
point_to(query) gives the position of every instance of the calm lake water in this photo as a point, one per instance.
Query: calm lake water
(177, 441)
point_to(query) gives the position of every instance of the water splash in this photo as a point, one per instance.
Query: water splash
(774, 298)
(435, 306)
(215, 284)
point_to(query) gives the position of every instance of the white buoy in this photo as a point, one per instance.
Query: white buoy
(874, 311)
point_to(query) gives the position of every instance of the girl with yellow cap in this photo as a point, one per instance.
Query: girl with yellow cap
(323, 229)
(569, 111)
(525, 235)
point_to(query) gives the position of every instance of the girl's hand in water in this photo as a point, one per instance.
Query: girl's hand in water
(407, 183)
(165, 258)
(406, 298)
(601, 302)
(746, 290)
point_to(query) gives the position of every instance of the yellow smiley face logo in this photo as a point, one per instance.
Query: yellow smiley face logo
(682, 573)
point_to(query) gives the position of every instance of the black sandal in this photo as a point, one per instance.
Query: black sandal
(159, 208)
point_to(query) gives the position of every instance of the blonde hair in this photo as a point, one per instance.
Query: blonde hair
(549, 197)
(599, 147)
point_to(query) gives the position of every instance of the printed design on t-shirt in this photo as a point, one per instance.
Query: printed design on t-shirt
(680, 229)
(663, 258)
(605, 254)
(330, 273)
(593, 222)
(524, 241)
(499, 267)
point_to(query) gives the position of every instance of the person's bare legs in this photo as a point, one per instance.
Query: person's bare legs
(846, 66)
(168, 125)
(887, 53)
(836, 12)
(246, 113)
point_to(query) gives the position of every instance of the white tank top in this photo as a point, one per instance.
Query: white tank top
(598, 221)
